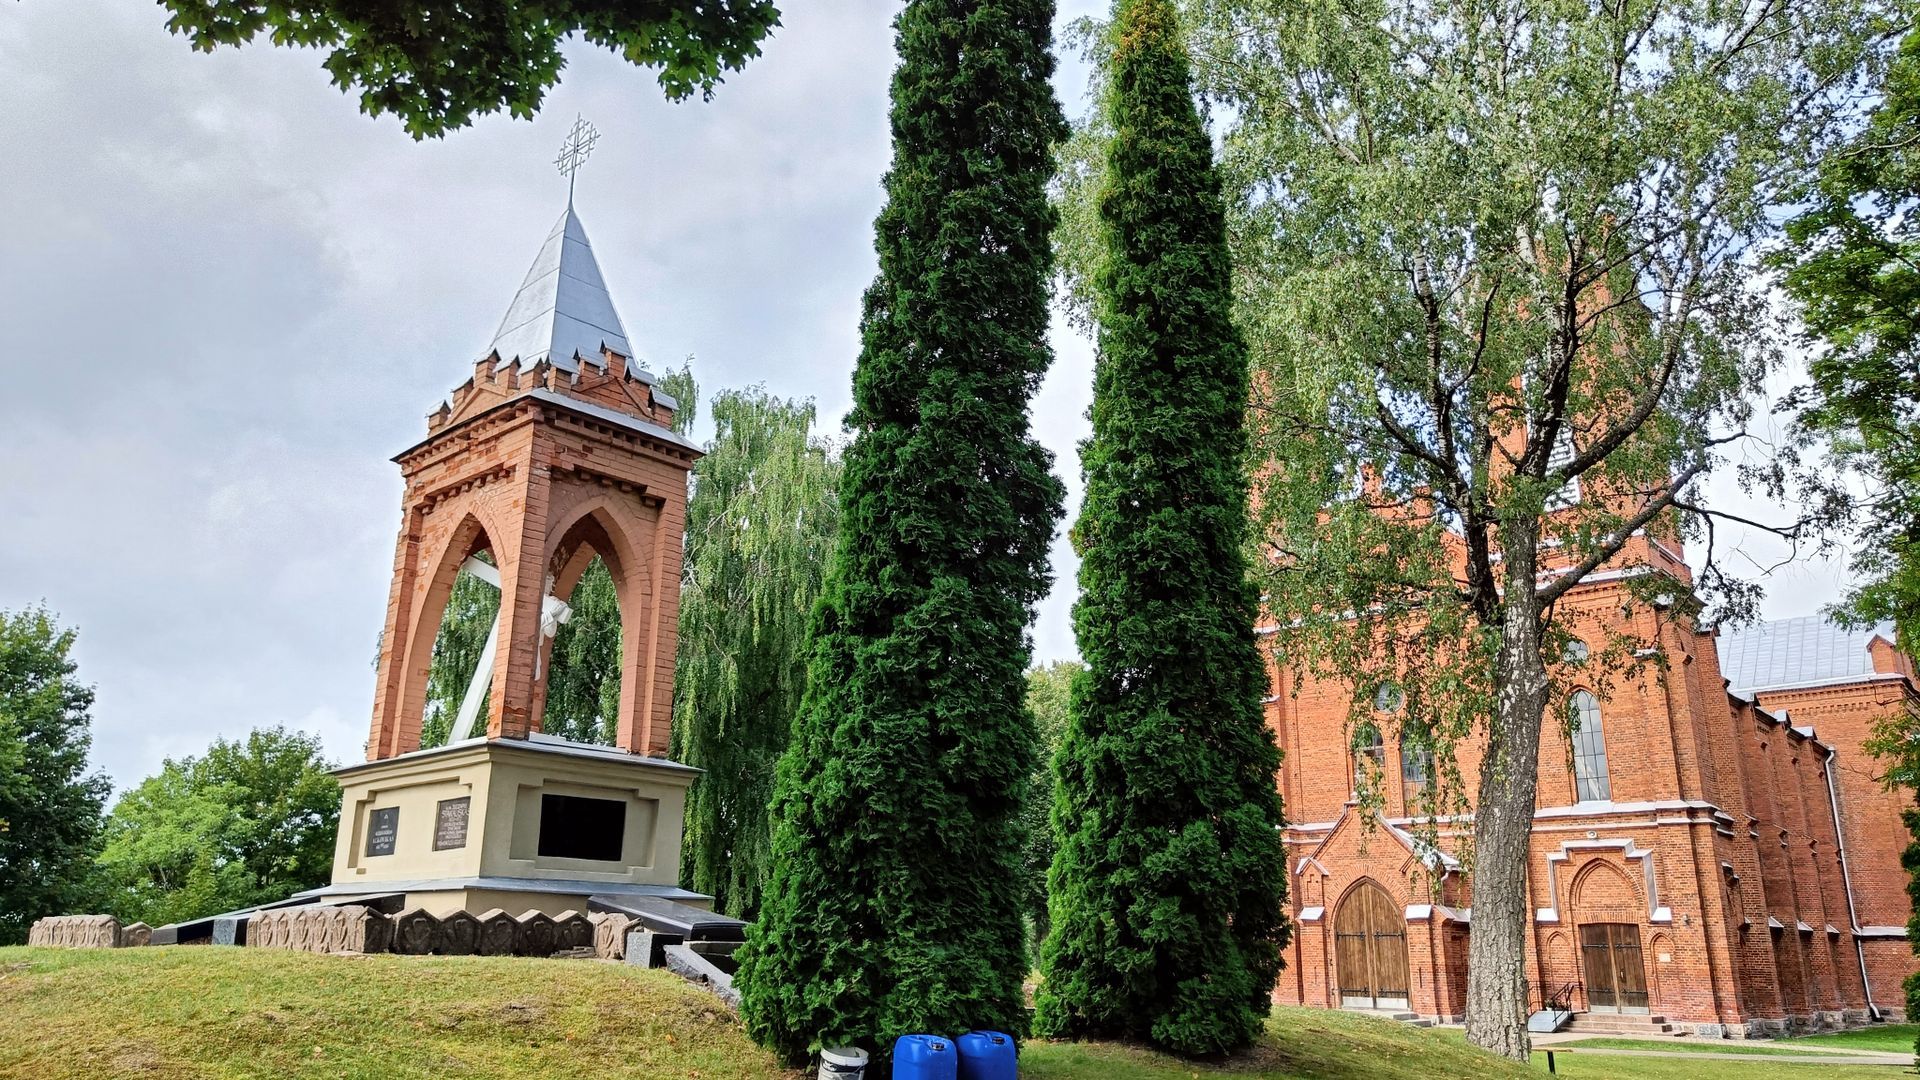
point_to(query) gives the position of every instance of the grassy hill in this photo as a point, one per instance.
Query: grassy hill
(232, 1013)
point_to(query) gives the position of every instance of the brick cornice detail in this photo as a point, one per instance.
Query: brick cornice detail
(431, 498)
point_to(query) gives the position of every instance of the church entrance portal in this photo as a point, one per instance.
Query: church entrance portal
(1616, 973)
(1370, 939)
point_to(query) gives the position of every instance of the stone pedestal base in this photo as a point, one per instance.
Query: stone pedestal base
(518, 824)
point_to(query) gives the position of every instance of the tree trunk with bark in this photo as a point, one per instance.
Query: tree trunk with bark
(1503, 815)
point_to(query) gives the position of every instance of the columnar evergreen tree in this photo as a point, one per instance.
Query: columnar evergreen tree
(895, 900)
(760, 529)
(1049, 689)
(1167, 889)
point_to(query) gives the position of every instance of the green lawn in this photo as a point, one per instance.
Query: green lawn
(226, 1014)
(1685, 1046)
(1888, 1038)
(1891, 1038)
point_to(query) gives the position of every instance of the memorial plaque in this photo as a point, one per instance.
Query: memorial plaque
(450, 824)
(383, 825)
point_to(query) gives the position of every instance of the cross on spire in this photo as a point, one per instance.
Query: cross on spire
(575, 151)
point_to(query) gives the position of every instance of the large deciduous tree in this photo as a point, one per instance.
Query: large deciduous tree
(894, 904)
(248, 822)
(1496, 264)
(1853, 269)
(437, 64)
(49, 804)
(1167, 889)
(760, 527)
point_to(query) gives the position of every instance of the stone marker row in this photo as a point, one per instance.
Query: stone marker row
(353, 928)
(87, 932)
(418, 932)
(347, 928)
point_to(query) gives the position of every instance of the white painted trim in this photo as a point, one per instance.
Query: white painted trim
(1817, 684)
(1416, 912)
(1628, 850)
(1594, 808)
(1312, 914)
(1880, 932)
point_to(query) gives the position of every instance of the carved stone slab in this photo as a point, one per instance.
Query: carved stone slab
(417, 933)
(75, 932)
(499, 933)
(572, 930)
(610, 934)
(537, 937)
(459, 934)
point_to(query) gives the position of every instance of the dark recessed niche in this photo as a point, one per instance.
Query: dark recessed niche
(572, 827)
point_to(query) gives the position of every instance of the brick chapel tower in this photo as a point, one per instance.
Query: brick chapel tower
(558, 448)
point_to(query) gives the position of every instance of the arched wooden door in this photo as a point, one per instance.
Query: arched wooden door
(1616, 974)
(1370, 949)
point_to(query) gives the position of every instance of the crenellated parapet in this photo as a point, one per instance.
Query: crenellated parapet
(608, 380)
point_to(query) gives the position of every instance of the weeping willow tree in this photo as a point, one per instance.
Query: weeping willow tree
(760, 525)
(583, 686)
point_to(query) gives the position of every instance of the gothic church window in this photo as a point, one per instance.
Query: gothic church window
(1369, 753)
(1589, 750)
(1416, 758)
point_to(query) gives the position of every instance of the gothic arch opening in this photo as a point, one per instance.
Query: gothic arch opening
(1607, 909)
(460, 609)
(582, 690)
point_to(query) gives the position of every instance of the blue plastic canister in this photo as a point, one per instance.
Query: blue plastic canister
(925, 1057)
(986, 1055)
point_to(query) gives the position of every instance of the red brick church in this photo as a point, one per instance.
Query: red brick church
(1714, 851)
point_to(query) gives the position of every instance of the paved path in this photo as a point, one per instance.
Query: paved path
(1794, 1055)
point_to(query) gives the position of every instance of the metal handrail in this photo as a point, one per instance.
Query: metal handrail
(1561, 1000)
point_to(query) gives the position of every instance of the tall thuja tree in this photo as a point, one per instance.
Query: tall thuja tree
(895, 900)
(760, 530)
(1496, 264)
(1049, 690)
(1167, 889)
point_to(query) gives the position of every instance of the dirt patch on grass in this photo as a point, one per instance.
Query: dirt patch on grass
(521, 1013)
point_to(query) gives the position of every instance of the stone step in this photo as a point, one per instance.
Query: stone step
(1611, 1024)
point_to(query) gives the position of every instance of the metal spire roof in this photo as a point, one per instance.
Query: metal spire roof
(563, 311)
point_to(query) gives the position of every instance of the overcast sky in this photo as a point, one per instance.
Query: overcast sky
(227, 298)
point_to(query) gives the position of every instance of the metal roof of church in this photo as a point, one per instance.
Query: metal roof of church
(563, 310)
(1796, 652)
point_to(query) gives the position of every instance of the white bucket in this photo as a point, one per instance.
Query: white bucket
(843, 1063)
